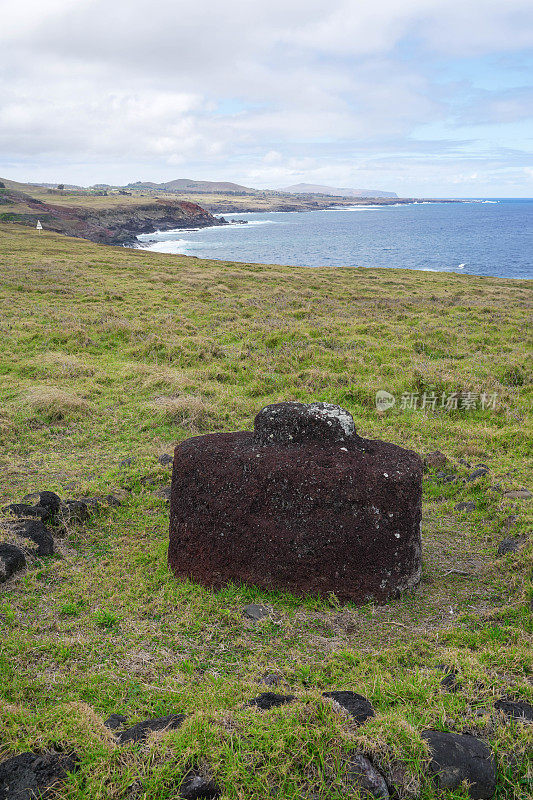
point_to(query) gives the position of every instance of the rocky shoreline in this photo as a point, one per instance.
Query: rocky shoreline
(116, 225)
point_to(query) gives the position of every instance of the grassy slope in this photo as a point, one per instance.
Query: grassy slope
(110, 353)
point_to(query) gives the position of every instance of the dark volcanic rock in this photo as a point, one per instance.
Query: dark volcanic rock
(518, 709)
(270, 700)
(456, 758)
(254, 611)
(363, 776)
(477, 473)
(165, 460)
(11, 560)
(304, 505)
(115, 721)
(196, 787)
(36, 532)
(51, 501)
(451, 682)
(508, 545)
(25, 510)
(33, 775)
(75, 511)
(139, 732)
(359, 707)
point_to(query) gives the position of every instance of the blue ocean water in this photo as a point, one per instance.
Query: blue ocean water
(489, 237)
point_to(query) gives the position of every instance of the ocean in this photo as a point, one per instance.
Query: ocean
(481, 237)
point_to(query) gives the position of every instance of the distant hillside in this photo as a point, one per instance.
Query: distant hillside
(312, 188)
(185, 184)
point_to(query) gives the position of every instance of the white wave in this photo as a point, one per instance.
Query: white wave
(174, 246)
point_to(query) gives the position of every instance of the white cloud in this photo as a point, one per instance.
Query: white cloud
(306, 88)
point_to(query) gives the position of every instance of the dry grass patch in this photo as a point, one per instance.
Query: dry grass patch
(55, 364)
(56, 404)
(187, 410)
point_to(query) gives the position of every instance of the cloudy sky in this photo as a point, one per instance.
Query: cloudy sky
(421, 97)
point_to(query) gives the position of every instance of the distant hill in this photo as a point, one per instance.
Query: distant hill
(187, 185)
(312, 188)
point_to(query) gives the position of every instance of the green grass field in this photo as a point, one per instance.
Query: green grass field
(109, 353)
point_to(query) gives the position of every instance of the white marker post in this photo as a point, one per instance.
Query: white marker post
(39, 226)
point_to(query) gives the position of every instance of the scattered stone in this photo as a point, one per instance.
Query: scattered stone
(139, 732)
(518, 494)
(165, 460)
(509, 521)
(112, 501)
(508, 545)
(449, 479)
(467, 506)
(451, 682)
(75, 511)
(477, 473)
(36, 532)
(458, 757)
(196, 787)
(115, 721)
(359, 707)
(51, 501)
(364, 777)
(464, 463)
(31, 775)
(254, 611)
(25, 510)
(127, 462)
(303, 503)
(12, 559)
(268, 700)
(435, 460)
(517, 709)
(164, 494)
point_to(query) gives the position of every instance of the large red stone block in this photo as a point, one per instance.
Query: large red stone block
(302, 504)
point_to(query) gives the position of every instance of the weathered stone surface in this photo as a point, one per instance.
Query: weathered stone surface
(75, 511)
(139, 732)
(11, 560)
(37, 533)
(511, 544)
(256, 612)
(518, 709)
(25, 510)
(268, 700)
(197, 787)
(359, 707)
(115, 721)
(50, 500)
(304, 504)
(456, 758)
(518, 494)
(363, 776)
(35, 775)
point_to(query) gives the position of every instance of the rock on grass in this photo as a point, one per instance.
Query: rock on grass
(35, 775)
(517, 709)
(456, 758)
(197, 787)
(139, 732)
(12, 559)
(355, 704)
(268, 700)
